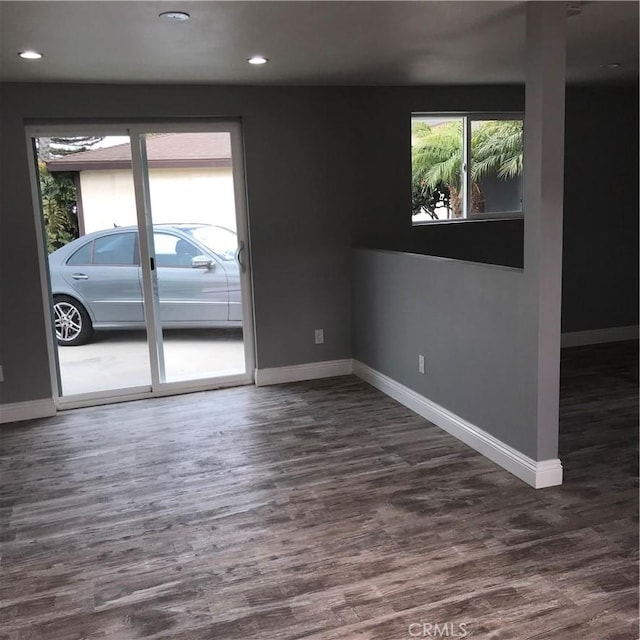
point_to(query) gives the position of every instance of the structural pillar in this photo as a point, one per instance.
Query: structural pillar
(543, 205)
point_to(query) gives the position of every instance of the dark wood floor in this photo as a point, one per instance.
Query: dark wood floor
(318, 510)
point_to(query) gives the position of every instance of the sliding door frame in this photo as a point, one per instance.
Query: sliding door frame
(135, 131)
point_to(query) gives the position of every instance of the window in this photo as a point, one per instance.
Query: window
(466, 167)
(223, 242)
(81, 256)
(118, 248)
(172, 251)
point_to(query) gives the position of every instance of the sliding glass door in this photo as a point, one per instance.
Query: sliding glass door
(152, 295)
(195, 243)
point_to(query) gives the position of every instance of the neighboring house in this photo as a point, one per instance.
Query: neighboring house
(190, 180)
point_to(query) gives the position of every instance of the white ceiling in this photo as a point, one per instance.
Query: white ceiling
(307, 42)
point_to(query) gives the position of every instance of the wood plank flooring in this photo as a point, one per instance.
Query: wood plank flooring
(320, 510)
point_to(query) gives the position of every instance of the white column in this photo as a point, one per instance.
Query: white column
(543, 201)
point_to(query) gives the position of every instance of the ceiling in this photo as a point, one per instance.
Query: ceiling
(307, 42)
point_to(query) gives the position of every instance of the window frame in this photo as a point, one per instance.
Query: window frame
(468, 117)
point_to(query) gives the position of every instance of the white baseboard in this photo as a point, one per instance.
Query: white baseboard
(546, 473)
(18, 411)
(597, 336)
(308, 371)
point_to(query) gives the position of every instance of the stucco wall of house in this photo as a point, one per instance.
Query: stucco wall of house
(177, 195)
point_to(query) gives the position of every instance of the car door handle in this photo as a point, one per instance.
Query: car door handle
(243, 266)
(79, 276)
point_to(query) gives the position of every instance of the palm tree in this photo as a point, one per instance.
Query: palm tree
(436, 163)
(437, 152)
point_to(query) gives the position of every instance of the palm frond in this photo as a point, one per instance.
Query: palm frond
(496, 148)
(437, 149)
(437, 152)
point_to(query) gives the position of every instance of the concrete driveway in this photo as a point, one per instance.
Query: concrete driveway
(120, 359)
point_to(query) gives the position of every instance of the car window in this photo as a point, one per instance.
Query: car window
(221, 241)
(81, 256)
(173, 251)
(118, 248)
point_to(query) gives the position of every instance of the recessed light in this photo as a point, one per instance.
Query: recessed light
(258, 60)
(174, 16)
(611, 65)
(29, 54)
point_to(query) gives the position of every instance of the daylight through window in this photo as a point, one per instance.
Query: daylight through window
(466, 167)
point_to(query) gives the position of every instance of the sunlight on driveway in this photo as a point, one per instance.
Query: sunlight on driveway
(120, 359)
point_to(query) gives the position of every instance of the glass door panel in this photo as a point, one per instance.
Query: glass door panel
(87, 201)
(194, 244)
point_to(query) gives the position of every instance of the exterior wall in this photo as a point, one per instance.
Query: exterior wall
(177, 195)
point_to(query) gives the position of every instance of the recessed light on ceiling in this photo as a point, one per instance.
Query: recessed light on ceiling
(174, 16)
(29, 54)
(611, 65)
(258, 60)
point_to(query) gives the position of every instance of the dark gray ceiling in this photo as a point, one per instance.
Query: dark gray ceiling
(322, 42)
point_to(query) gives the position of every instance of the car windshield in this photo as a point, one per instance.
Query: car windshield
(221, 241)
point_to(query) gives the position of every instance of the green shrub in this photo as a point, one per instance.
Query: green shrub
(59, 207)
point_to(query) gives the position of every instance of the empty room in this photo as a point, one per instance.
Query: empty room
(319, 320)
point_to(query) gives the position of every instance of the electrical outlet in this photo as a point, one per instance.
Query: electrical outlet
(1, 374)
(319, 333)
(420, 363)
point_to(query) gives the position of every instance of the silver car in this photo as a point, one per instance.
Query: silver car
(96, 281)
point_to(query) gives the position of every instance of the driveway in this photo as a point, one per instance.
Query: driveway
(120, 359)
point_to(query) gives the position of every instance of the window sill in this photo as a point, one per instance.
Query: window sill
(479, 218)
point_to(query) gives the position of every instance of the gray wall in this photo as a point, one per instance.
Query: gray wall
(385, 222)
(300, 156)
(600, 261)
(600, 250)
(468, 320)
(328, 168)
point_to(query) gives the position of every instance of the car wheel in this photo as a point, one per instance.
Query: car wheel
(73, 325)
